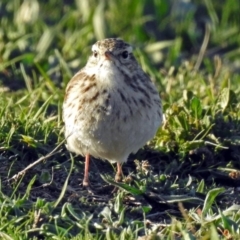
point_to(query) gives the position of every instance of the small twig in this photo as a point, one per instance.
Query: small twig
(154, 215)
(53, 152)
(203, 47)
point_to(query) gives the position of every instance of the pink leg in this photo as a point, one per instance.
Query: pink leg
(85, 179)
(118, 176)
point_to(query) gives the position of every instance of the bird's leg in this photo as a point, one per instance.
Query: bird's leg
(118, 176)
(85, 179)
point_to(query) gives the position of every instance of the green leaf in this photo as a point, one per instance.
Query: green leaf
(72, 212)
(187, 95)
(22, 200)
(146, 209)
(187, 235)
(28, 58)
(213, 233)
(29, 141)
(182, 121)
(121, 217)
(224, 97)
(109, 234)
(64, 188)
(201, 186)
(228, 224)
(210, 199)
(64, 210)
(106, 213)
(118, 205)
(189, 145)
(123, 186)
(196, 107)
(183, 198)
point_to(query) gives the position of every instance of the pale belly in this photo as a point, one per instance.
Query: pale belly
(113, 138)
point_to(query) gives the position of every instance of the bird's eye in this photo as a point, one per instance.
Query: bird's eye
(95, 54)
(125, 54)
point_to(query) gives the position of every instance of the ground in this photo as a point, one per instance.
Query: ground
(184, 184)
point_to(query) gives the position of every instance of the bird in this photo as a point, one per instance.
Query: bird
(111, 107)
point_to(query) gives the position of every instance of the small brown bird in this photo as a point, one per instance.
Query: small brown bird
(111, 107)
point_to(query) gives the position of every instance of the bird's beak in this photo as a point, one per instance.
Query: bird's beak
(108, 55)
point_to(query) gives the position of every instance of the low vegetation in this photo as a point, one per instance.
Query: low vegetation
(184, 184)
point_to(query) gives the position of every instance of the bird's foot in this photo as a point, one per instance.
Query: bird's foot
(118, 177)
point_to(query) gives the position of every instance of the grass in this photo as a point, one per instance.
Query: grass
(183, 184)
